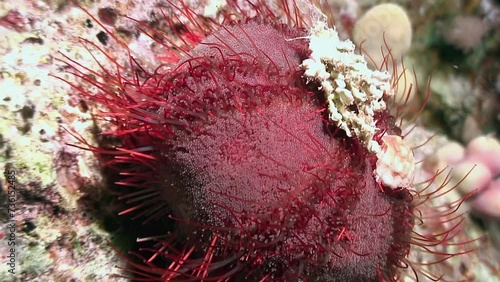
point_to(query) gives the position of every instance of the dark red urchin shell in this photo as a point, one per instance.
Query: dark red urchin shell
(261, 185)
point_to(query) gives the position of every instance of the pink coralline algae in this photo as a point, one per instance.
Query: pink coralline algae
(479, 164)
(15, 20)
(236, 147)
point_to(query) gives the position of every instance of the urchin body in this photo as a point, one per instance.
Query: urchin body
(259, 181)
(289, 196)
(273, 157)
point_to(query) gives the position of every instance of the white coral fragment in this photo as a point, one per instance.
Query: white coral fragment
(354, 92)
(395, 164)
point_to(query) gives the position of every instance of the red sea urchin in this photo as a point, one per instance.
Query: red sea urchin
(236, 146)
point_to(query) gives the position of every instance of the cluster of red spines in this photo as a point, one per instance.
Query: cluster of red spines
(159, 118)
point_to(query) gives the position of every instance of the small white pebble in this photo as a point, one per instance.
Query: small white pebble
(396, 163)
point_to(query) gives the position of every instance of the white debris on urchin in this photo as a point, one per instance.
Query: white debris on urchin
(348, 83)
(395, 163)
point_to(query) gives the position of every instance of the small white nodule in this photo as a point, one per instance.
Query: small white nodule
(396, 163)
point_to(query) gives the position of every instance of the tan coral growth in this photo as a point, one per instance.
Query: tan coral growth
(347, 81)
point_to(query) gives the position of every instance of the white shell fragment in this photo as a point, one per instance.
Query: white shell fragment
(395, 164)
(353, 92)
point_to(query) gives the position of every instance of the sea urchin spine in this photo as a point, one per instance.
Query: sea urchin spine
(234, 141)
